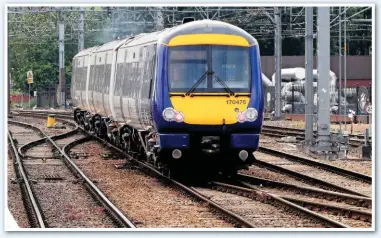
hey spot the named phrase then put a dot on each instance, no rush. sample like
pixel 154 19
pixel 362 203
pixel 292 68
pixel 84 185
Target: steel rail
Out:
pixel 348 212
pixel 277 200
pixel 76 170
pixel 333 169
pixel 249 181
pixel 69 116
pixel 309 179
pixel 22 150
pixel 37 213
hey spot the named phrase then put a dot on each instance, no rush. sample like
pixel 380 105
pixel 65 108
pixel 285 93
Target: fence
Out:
pixel 47 97
pixel 19 98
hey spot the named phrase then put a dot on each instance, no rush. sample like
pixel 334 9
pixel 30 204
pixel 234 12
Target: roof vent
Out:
pixel 188 19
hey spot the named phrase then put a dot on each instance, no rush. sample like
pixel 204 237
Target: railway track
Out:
pixel 238 219
pixel 315 208
pixel 287 188
pixel 49 176
pixel 33 210
pixel 314 163
pixel 285 201
pixel 312 174
pixel 263 209
pixel 230 216
pixel 355 140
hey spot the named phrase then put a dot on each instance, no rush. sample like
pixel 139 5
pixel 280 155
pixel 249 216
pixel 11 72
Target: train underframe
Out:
pixel 205 155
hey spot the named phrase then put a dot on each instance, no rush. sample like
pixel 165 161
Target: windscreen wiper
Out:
pixel 227 89
pixel 197 83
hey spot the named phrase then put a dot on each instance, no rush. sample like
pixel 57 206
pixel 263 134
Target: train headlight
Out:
pixel 251 114
pixel 170 114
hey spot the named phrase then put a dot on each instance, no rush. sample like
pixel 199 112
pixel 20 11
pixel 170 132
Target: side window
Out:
pixel 140 53
pixel 144 57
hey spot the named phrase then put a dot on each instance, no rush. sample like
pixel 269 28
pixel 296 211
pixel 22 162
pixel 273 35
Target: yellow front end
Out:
pixel 192 55
pixel 210 110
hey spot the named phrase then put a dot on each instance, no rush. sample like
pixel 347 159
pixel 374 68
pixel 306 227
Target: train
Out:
pixel 187 95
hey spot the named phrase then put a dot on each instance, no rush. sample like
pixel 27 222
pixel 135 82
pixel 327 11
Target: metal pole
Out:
pixel 345 68
pixel 9 90
pixel 159 19
pixel 81 40
pixel 62 87
pixel 22 96
pixel 323 79
pixel 278 63
pixel 173 17
pixel 309 85
pixel 29 94
pixel 9 82
pixel 340 87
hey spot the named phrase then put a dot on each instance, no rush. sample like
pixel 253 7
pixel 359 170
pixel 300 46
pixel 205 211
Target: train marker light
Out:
pixel 179 117
pixel 241 117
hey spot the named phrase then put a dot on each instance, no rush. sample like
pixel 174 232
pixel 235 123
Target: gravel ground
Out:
pixel 62 142
pixel 261 215
pixel 40 151
pixel 15 202
pixel 321 174
pixel 68 205
pixel 144 199
pixel 364 167
pixel 23 135
pixel 348 221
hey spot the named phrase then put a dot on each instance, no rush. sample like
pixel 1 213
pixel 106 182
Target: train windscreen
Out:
pixel 209 68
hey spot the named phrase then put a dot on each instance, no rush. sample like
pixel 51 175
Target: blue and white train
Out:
pixel 188 94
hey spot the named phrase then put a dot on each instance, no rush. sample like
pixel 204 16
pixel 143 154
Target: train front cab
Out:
pixel 209 99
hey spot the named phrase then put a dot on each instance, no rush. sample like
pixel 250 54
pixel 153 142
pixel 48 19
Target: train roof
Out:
pixel 164 36
pixel 86 51
pixel 109 45
pixel 205 26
